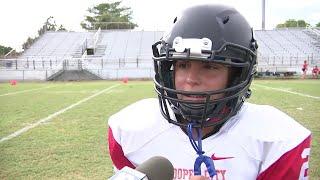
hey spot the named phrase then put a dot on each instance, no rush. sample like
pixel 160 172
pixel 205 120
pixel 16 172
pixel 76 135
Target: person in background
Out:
pixel 315 72
pixel 200 121
pixel 304 69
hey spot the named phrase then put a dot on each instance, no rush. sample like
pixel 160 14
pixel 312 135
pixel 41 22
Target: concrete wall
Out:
pixel 27 75
pixel 147 73
pixel 42 75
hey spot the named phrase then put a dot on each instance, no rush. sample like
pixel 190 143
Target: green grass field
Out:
pixel 72 144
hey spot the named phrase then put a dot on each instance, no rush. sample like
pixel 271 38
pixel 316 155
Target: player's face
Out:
pixel 200 76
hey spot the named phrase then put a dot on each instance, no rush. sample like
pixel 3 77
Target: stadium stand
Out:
pixel 113 54
pixel 56 44
pixel 283 51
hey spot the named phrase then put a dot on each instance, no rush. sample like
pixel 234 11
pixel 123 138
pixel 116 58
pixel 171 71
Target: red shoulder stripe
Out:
pixel 291 165
pixel 116 153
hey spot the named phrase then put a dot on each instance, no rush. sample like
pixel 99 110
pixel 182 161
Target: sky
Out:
pixel 20 19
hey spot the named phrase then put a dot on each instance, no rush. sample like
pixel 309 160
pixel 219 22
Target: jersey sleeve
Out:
pixel 131 128
pixel 116 153
pixel 276 140
pixel 291 165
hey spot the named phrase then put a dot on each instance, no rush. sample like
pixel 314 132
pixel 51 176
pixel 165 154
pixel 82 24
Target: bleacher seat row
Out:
pixel 286 48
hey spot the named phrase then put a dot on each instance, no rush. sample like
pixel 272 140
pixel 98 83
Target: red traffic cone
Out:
pixel 13 82
pixel 125 80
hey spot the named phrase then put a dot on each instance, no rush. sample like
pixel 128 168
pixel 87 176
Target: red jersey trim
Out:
pixel 116 153
pixel 291 165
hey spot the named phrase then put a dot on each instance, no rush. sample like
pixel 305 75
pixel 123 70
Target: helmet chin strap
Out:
pixel 201 157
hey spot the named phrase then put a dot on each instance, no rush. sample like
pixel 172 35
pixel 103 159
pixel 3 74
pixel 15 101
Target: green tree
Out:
pixel 4 50
pixel 302 23
pixel 293 23
pixel 318 25
pixel 281 26
pixel 50 24
pixel 108 16
pixel 28 43
pixel 61 28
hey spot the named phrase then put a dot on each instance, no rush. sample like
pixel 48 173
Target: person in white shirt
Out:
pixel 200 121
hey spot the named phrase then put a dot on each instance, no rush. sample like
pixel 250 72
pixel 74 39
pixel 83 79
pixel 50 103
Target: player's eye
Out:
pixel 213 66
pixel 181 64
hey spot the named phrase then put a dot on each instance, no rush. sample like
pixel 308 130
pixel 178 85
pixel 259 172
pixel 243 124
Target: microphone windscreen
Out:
pixel 157 168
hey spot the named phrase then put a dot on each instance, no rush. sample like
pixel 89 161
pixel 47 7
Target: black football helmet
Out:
pixel 211 33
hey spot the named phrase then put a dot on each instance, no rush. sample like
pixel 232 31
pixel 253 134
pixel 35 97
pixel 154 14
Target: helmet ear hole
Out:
pixel 225 20
pixel 175 19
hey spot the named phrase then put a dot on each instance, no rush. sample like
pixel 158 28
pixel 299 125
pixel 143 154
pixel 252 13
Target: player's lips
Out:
pixel 193 97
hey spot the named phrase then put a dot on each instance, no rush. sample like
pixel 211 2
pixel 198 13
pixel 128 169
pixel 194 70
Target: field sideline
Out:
pixel 56 130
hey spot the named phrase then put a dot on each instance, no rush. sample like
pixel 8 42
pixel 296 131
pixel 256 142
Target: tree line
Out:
pixel 292 23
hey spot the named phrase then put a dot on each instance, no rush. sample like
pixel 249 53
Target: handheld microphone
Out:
pixel 155 168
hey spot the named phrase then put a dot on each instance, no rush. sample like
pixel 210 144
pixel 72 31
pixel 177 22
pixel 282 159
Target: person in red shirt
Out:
pixel 304 69
pixel 315 72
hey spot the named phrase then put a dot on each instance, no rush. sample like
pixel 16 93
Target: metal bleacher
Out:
pixel 56 44
pixel 119 53
pixel 124 50
pixel 129 48
pixel 284 50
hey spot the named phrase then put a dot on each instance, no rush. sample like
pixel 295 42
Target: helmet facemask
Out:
pixel 209 112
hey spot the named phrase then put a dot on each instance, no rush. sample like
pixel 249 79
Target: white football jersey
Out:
pixel 260 142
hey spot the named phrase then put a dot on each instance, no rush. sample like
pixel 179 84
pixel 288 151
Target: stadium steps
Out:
pixel 77 53
pixel 73 75
pixel 100 50
pixel 53 76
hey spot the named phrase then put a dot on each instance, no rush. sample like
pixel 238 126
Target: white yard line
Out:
pixel 18 92
pixel 292 92
pixel 47 119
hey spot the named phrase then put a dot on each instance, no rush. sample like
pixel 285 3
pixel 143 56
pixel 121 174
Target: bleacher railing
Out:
pixel 138 62
pixel 73 63
pixel 84 46
pixel 96 38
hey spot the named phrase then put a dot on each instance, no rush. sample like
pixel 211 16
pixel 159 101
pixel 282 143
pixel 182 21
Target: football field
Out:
pixel 57 130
